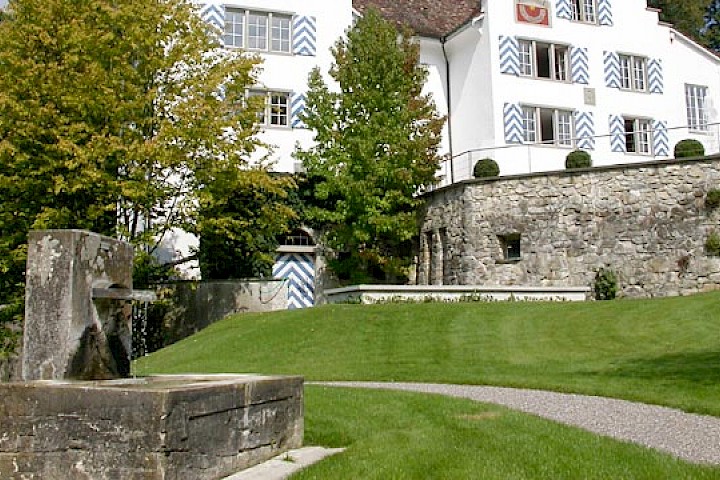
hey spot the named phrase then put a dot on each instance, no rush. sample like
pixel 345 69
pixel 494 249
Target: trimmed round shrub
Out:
pixel 487 167
pixel 712 200
pixel 689 148
pixel 578 159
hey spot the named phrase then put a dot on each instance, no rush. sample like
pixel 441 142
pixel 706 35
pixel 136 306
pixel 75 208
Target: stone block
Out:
pixel 68 333
pixel 165 427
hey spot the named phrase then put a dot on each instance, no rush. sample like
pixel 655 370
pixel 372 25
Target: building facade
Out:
pixel 524 82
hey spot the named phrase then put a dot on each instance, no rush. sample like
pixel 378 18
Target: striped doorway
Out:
pixel 299 271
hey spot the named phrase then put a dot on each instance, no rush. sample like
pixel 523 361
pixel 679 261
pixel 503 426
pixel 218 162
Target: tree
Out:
pixel 239 233
pixel 711 34
pixel 125 127
pixel 688 16
pixel 377 141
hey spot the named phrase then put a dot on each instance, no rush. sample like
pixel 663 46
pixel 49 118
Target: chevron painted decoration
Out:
pixel 605 16
pixel 661 142
pixel 513 123
pixel 579 65
pixel 509 55
pixel 213 12
pixel 656 81
pixel 563 10
pixel 297 107
pixel 299 271
pixel 617 134
pixel 305 36
pixel 585 130
pixel 612 70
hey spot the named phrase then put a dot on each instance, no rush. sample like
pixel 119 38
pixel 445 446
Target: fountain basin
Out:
pixel 202 427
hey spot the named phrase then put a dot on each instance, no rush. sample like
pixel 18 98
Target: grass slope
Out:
pixel 662 351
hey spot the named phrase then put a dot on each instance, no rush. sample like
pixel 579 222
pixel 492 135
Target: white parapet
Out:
pixel 369 294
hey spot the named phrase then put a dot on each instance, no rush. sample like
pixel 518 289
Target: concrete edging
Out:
pixel 367 294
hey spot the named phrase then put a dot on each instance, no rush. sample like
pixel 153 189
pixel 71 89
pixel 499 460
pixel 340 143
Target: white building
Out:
pixel 524 82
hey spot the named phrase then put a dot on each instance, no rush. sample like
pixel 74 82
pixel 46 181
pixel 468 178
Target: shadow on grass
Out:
pixel 698 367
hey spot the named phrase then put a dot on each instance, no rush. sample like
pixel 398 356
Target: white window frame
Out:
pixel 638 135
pixel 556 64
pixel 696 104
pixel 234 31
pixel 560 121
pixel 259 31
pixel 633 72
pixel 584 11
pixel 276 107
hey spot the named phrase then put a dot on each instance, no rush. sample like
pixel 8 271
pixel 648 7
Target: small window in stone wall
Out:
pixel 510 245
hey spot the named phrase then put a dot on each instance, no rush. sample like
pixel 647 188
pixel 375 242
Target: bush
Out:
pixel 487 167
pixel 605 284
pixel 712 199
pixel 712 244
pixel 578 159
pixel 689 148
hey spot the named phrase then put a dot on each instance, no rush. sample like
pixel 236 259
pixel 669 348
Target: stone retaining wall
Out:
pixel 10 369
pixel 647 222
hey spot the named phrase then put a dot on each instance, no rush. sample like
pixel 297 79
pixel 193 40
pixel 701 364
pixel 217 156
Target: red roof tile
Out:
pixel 430 18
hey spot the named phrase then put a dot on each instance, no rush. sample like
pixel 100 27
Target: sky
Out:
pixel 3 3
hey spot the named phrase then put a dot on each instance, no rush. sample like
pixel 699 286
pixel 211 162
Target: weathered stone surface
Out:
pixel 647 222
pixel 68 333
pixel 166 427
pixel 10 369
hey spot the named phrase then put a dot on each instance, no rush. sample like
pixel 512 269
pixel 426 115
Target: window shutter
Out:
pixel 605 16
pixel 509 55
pixel 579 69
pixel 563 10
pixel 585 130
pixel 213 12
pixel 661 142
pixel 513 123
pixel 656 81
pixel 305 36
pixel 617 134
pixel 612 70
pixel 297 108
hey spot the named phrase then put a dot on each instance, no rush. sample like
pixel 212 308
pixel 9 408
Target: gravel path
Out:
pixel 694 438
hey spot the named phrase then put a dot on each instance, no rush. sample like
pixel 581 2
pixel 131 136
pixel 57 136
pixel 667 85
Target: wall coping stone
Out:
pixel 575 172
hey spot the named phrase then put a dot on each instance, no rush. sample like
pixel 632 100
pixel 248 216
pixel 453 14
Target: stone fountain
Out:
pixel 77 414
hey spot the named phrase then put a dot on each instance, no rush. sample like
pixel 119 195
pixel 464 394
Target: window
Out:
pixel 258 30
pixel 544 60
pixel 695 99
pixel 583 11
pixel 633 73
pixel 548 126
pixel 510 245
pixel 234 29
pixel 276 109
pixel 638 136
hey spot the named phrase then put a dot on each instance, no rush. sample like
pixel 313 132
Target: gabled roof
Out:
pixel 428 18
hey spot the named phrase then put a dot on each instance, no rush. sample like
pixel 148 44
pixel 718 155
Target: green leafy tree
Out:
pixel 376 147
pixel 688 16
pixel 711 34
pixel 239 231
pixel 121 126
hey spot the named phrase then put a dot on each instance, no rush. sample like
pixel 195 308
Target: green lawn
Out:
pixel 663 351
pixel 392 435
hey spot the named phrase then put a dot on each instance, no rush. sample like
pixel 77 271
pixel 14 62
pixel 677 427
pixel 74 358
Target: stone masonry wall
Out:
pixel 647 222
